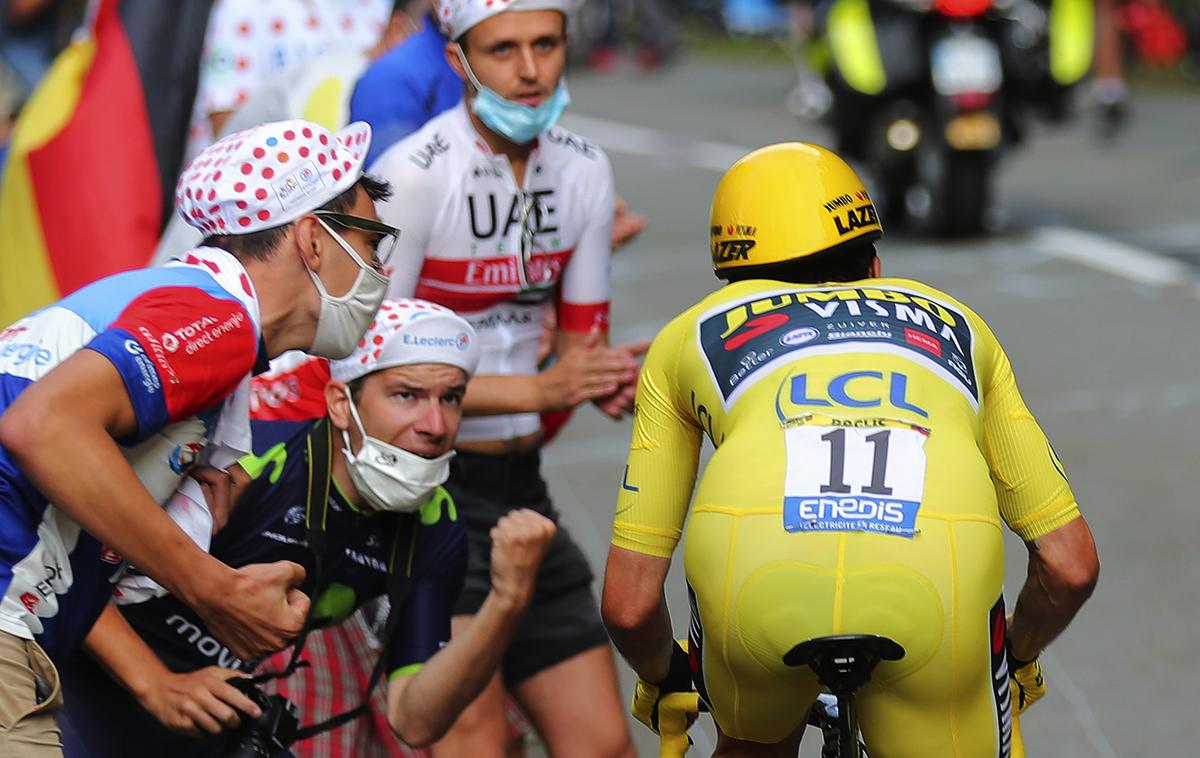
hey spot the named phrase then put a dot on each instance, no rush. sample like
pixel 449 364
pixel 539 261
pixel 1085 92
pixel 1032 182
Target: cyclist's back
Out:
pixel 870 444
pixel 857 436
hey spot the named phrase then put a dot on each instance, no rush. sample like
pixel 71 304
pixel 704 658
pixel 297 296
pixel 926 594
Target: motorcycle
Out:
pixel 930 93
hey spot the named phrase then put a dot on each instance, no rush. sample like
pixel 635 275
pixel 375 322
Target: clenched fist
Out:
pixel 520 540
pixel 261 612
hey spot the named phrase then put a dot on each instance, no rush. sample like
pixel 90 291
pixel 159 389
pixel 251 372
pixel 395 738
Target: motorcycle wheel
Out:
pixel 959 186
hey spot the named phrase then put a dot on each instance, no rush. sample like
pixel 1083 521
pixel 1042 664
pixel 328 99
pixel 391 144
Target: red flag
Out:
pixel 83 190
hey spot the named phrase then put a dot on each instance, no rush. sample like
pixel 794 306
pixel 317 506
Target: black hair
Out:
pixel 261 245
pixel 356 386
pixel 845 262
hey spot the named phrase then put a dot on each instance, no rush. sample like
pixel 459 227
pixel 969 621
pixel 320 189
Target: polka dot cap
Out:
pixel 410 331
pixel 269 175
pixel 457 16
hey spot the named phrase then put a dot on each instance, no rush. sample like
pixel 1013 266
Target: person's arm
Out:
pixel 635 611
pixel 651 507
pixel 424 705
pixel 626 224
pixel 73 414
pixel 585 369
pixel 1036 502
pixel 1063 569
pixel 192 703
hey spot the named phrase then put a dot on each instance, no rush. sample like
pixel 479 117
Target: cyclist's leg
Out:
pixel 750 605
pixel 949 695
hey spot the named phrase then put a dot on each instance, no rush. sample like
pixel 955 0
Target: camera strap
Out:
pixel 320 474
pixel 399 575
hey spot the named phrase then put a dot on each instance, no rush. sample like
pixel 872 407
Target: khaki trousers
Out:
pixel 30 696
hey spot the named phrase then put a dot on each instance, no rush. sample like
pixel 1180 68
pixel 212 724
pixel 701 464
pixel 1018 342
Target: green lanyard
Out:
pixel 320 473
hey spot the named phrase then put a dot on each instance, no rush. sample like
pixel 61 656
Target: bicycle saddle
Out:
pixel 845 662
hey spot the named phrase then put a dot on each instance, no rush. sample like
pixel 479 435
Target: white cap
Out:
pixel 270 175
pixel 457 16
pixel 407 332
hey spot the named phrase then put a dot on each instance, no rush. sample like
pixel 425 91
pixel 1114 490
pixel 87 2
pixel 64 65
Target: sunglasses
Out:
pixel 532 211
pixel 383 236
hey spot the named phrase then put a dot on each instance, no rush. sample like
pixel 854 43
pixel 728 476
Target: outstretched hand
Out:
pixel 587 371
pixel 620 404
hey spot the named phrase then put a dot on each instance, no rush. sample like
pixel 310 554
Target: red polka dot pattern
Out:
pixel 396 316
pixel 270 163
pixel 457 16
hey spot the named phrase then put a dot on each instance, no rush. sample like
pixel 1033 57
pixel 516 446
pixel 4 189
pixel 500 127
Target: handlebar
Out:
pixel 676 711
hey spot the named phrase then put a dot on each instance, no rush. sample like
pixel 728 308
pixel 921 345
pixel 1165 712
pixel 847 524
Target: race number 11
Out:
pixel 854 479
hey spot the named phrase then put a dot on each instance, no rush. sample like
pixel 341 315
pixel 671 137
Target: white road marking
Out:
pixel 1128 402
pixel 1074 245
pixel 1110 256
pixel 640 140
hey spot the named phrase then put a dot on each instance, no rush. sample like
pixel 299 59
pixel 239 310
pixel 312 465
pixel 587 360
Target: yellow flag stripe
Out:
pixel 26 278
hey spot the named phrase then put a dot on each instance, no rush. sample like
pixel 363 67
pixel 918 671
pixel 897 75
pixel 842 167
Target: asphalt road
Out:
pixel 1088 283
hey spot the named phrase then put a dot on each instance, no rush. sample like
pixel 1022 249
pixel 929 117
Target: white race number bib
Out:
pixel 854 479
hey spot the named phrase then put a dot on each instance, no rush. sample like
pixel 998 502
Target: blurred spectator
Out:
pixel 32 32
pixel 249 40
pixel 406 87
pixel 755 16
pixel 1109 91
pixel 652 27
pixel 1154 32
pixel 317 89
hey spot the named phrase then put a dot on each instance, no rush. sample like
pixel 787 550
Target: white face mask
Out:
pixel 343 320
pixel 391 478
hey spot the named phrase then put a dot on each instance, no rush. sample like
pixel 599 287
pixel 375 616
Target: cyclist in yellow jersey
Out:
pixel 870 446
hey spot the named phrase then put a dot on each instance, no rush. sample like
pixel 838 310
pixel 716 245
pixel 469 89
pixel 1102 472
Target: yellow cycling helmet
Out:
pixel 784 202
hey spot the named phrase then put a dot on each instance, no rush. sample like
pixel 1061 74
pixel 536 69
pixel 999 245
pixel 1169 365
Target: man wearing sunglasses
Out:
pixel 505 217
pixel 109 397
pixel 394 410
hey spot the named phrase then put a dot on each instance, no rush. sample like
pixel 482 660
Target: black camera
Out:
pixel 269 734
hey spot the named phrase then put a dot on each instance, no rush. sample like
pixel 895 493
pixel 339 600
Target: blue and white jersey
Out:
pixel 184 339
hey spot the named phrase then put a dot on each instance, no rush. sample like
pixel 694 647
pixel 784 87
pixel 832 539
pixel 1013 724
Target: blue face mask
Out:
pixel 515 121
